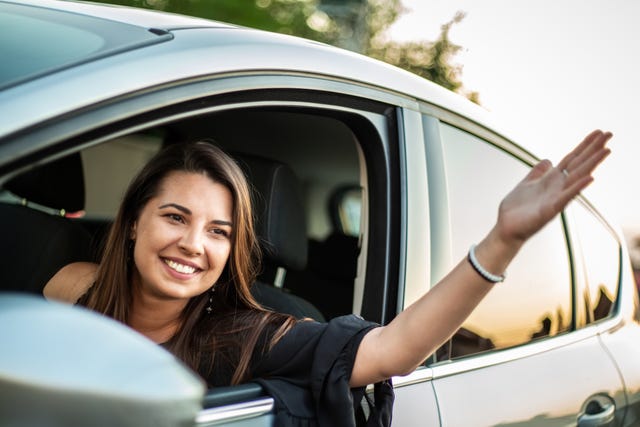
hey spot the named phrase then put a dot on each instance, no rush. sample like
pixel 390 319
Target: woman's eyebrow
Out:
pixel 188 212
pixel 175 205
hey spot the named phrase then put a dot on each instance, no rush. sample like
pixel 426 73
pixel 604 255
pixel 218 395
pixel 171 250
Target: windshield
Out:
pixel 35 41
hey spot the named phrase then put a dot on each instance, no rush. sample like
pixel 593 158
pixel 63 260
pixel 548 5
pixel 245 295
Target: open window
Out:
pixel 329 145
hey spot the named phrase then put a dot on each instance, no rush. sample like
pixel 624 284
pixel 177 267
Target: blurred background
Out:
pixel 549 71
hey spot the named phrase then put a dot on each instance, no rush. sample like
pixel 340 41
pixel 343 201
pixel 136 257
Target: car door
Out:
pixel 521 357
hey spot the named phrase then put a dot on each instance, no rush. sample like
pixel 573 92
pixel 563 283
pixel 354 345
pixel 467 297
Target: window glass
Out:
pixel 535 299
pixel 601 262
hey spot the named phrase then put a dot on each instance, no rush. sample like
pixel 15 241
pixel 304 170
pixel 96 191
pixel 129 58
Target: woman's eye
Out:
pixel 219 232
pixel 174 217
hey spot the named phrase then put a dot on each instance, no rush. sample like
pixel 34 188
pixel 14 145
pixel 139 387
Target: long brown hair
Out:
pixel 238 321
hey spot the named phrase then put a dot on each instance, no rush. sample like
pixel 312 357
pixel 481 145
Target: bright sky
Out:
pixel 551 71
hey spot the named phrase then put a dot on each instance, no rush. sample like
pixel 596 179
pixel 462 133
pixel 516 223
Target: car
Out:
pixel 388 180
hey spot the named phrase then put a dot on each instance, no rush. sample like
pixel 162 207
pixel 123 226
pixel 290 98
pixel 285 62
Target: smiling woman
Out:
pixel 171 241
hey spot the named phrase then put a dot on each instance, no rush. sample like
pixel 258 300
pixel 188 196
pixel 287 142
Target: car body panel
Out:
pixel 415 402
pixel 550 388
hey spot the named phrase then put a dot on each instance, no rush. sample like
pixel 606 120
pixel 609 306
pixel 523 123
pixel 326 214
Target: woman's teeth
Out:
pixel 180 268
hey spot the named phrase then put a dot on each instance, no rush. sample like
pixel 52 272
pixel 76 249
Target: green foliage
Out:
pixel 364 30
pixel 431 60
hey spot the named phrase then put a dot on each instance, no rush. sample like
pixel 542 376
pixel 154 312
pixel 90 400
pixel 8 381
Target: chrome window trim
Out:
pixel 420 375
pixel 497 357
pixel 234 412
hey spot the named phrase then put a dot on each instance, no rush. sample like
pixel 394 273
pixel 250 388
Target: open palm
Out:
pixel 546 190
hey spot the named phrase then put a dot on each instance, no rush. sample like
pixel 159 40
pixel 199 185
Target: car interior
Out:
pixel 304 167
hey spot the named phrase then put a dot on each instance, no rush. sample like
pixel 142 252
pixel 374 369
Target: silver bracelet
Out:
pixel 493 278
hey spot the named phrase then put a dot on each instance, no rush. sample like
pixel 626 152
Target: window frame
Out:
pixel 344 100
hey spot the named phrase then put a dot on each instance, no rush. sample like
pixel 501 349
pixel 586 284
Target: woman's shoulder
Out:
pixel 71 282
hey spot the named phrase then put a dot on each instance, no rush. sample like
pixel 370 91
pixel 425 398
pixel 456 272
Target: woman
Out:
pixel 182 254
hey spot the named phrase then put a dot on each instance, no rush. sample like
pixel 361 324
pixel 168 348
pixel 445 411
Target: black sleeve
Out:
pixel 308 371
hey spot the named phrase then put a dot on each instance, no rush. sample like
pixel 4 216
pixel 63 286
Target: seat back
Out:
pixel 332 264
pixel 36 244
pixel 281 228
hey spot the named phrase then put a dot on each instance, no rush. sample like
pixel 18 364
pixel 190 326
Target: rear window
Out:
pixel 36 41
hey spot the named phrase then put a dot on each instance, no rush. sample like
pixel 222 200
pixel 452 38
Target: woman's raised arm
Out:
pixel 399 347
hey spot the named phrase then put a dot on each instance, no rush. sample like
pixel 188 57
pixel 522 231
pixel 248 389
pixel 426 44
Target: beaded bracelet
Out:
pixel 493 278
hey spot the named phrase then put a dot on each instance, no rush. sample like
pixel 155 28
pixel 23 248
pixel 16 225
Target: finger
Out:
pixel 576 182
pixel 596 146
pixel 585 168
pixel 589 144
pixel 571 192
pixel 585 142
pixel 538 170
pixel 589 165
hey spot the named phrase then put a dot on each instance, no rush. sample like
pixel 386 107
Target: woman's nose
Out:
pixel 191 242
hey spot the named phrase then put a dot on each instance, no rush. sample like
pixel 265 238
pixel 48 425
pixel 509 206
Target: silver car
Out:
pixel 391 178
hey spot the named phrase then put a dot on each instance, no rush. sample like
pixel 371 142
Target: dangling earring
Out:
pixel 209 307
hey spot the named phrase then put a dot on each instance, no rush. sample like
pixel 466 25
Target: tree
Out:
pixel 359 25
pixel 431 60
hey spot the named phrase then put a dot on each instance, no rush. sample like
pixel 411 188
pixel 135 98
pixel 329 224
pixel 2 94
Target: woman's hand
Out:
pixel 546 190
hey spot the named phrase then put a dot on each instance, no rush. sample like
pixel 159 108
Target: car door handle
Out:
pixel 599 411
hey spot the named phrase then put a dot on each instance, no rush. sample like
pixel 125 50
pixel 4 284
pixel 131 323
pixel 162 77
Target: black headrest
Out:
pixel 281 222
pixel 58 184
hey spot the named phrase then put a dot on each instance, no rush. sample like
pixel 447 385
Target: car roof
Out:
pixel 170 48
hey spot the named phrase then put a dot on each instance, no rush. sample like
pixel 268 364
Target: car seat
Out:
pixel 36 244
pixel 281 228
pixel 328 279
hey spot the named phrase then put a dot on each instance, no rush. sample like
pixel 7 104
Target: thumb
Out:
pixel 538 170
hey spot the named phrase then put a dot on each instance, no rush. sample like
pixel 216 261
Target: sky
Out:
pixel 551 71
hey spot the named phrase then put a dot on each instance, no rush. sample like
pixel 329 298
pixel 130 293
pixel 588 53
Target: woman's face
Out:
pixel 182 237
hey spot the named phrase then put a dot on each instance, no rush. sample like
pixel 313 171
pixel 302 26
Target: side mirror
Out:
pixel 67 366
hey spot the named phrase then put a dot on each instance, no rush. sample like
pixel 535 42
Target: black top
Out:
pixel 307 373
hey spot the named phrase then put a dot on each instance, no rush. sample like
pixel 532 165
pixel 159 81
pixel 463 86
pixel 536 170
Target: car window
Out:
pixel 535 299
pixel 600 252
